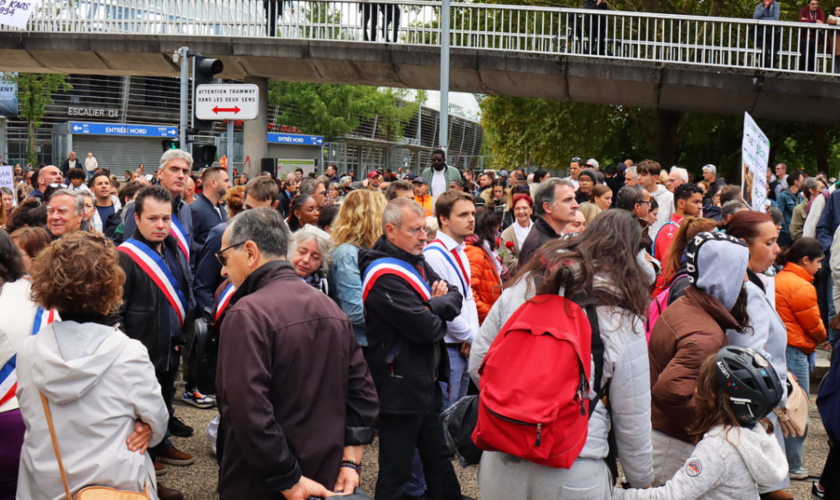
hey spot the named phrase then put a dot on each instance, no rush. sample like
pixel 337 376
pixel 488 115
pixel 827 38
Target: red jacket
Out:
pixel 806 16
pixel 665 236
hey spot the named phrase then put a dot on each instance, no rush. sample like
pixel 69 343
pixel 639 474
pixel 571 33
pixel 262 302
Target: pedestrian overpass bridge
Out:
pixel 774 70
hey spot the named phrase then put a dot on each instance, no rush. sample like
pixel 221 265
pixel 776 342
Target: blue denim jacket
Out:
pixel 348 287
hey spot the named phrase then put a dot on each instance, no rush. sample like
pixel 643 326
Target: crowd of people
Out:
pixel 317 312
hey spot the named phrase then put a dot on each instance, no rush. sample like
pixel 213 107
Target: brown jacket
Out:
pixel 689 331
pixel 293 387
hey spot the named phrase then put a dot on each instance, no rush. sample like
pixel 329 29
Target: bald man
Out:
pixel 44 177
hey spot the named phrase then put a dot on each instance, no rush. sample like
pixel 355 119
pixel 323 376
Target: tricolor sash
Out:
pixel 152 263
pixel 176 230
pixel 224 300
pixel 438 246
pixel 396 267
pixel 8 374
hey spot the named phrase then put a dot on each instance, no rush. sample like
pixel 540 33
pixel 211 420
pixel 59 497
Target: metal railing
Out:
pixel 617 35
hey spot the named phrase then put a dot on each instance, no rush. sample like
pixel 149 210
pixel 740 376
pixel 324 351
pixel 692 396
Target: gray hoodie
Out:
pixel 98 382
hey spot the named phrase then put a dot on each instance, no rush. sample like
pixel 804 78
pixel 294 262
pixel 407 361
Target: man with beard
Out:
pixel 207 212
pixel 440 174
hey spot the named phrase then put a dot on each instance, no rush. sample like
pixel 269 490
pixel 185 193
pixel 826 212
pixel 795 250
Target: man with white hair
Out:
pixel 174 169
pixel 676 177
pixel 631 177
pixel 64 213
pixel 710 176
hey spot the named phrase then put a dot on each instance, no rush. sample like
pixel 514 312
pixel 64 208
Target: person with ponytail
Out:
pixel 302 211
pixel 759 232
pixel 796 303
pixel 674 266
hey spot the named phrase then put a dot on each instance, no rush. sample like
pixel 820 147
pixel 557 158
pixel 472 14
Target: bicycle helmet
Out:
pixel 751 383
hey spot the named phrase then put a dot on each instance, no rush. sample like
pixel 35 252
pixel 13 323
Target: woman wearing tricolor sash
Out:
pixel 19 316
pixel 99 385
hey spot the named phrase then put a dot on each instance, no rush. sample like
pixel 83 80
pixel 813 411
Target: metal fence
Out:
pixel 617 35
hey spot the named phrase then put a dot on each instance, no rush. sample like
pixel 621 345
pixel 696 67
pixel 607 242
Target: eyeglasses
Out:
pixel 576 159
pixel 437 160
pixel 416 231
pixel 220 255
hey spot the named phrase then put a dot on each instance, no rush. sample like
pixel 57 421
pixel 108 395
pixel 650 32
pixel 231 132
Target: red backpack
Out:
pixel 534 396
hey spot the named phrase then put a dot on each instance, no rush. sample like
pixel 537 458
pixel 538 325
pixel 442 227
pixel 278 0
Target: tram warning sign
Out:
pixel 227 101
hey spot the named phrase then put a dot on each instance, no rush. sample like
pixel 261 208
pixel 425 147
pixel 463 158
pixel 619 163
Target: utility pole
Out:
pixel 444 74
pixel 185 82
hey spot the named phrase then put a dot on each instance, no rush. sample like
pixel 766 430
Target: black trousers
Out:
pixel 370 11
pixel 398 436
pixel 167 388
pixel 807 55
pixel 829 479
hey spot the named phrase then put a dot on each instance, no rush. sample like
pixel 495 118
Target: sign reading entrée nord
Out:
pixel 227 101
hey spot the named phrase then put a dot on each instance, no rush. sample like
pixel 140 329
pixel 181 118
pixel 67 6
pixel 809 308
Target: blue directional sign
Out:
pixel 86 128
pixel 299 139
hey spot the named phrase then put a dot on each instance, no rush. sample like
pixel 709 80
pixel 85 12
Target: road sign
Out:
pixel 86 128
pixel 299 139
pixel 239 101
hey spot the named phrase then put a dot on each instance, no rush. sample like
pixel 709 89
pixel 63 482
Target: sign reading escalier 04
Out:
pixel 227 101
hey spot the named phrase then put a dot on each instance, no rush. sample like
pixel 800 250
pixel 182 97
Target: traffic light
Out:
pixel 203 155
pixel 170 144
pixel 206 70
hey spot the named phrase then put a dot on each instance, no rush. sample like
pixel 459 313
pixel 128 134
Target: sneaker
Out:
pixel 816 493
pixel 165 493
pixel 174 456
pixel 178 428
pixel 800 473
pixel 197 399
pixel 160 469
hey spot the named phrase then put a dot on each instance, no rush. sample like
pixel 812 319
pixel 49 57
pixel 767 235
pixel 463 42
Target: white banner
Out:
pixel 16 12
pixel 755 153
pixel 7 179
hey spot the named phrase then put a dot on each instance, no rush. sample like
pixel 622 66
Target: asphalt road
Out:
pixel 198 481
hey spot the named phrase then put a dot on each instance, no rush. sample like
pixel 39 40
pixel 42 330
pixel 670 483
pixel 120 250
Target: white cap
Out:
pixel 592 162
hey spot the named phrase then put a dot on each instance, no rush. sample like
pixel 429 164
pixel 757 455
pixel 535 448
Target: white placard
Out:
pixel 226 101
pixel 7 179
pixel 755 153
pixel 16 12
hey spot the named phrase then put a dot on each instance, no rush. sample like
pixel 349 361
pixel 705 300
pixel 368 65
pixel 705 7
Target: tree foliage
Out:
pixel 334 110
pixel 34 96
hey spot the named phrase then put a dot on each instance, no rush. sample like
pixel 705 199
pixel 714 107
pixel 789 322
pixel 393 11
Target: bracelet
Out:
pixel 351 466
pixel 352 462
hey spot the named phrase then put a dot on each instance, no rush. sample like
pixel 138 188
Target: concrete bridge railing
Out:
pixel 713 42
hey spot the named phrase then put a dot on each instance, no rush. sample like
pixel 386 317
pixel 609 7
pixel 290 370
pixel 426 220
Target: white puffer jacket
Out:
pixel 625 364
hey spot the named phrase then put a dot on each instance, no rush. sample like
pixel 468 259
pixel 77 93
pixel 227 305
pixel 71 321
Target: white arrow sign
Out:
pixel 227 101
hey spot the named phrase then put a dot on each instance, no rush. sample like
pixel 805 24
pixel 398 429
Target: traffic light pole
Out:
pixel 185 97
pixel 230 149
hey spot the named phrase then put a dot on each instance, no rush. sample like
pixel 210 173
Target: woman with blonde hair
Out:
pixel 357 226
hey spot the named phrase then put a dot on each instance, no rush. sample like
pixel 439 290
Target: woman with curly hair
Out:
pixel 98 385
pixel 358 225
pixel 310 252
pixel 234 199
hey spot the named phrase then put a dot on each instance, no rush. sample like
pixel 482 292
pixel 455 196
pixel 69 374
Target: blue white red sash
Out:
pixel 150 262
pixel 395 267
pixel 176 230
pixel 438 246
pixel 224 300
pixel 8 374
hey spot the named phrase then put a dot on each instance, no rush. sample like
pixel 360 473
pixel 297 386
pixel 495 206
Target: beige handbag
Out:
pixel 797 405
pixel 91 492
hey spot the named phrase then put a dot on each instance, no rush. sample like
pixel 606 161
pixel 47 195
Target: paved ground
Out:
pixel 198 481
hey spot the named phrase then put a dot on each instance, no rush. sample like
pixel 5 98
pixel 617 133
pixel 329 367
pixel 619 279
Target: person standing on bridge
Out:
pixel 370 11
pixel 809 38
pixel 767 38
pixel 596 27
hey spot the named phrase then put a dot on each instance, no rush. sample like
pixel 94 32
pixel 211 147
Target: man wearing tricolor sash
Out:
pixel 157 302
pixel 407 307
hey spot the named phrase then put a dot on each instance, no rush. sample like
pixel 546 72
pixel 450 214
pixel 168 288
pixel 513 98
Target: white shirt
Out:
pixel 665 199
pixel 464 327
pixel 438 183
pixel 72 163
pixel 521 232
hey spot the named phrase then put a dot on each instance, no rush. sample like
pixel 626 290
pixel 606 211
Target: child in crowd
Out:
pixel 737 454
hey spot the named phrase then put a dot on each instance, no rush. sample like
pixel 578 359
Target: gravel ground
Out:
pixel 198 481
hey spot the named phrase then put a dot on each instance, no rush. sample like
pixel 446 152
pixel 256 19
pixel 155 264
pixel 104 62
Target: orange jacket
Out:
pixel 427 202
pixel 796 303
pixel 484 280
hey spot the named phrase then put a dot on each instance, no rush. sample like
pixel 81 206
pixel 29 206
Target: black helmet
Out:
pixel 751 383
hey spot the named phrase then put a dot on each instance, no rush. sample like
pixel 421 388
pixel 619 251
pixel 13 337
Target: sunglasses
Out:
pixel 220 255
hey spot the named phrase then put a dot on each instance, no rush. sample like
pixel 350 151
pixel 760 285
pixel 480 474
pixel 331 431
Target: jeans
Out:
pixel 797 363
pixel 459 377
pixel 399 435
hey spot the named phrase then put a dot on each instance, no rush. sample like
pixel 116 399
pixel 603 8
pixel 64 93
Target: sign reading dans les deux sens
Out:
pixel 90 112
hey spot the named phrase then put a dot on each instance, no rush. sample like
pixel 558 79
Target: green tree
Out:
pixel 34 96
pixel 334 110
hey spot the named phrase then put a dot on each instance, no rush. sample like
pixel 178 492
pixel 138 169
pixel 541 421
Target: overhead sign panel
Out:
pixel 86 128
pixel 227 101
pixel 299 139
